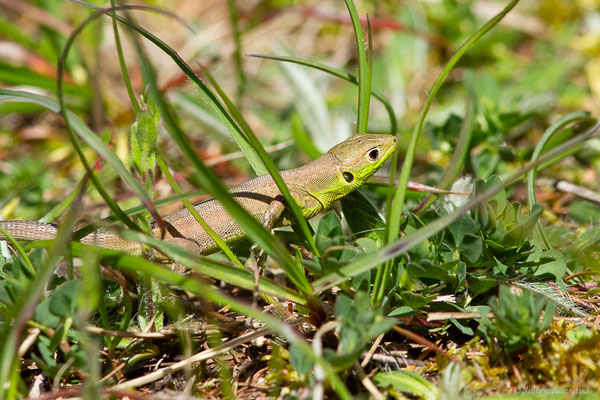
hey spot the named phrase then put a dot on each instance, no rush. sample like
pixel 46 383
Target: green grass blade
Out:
pixel 208 122
pixel 239 65
pixel 190 207
pixel 462 148
pixel 89 137
pixel 364 71
pixel 539 148
pixel 340 74
pixel 60 208
pixel 122 65
pixel 12 75
pixel 19 250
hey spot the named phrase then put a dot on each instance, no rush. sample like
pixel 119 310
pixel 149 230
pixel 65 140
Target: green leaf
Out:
pixel 471 247
pixel 407 382
pixel 463 327
pixel 64 300
pixel 44 316
pixel 362 217
pixel 525 225
pixel 461 227
pixel 553 263
pixel 299 360
pixel 329 225
pixel 415 300
pixel 427 269
pixel 401 311
pixel 144 135
pixel 481 285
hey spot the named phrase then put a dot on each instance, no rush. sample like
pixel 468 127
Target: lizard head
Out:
pixel 361 156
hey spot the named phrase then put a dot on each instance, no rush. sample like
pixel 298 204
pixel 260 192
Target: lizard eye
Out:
pixel 348 177
pixel 373 154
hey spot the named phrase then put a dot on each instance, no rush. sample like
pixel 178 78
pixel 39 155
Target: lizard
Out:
pixel 314 186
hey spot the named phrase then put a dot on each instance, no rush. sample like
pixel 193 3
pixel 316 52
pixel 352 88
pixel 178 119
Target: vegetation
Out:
pixel 112 115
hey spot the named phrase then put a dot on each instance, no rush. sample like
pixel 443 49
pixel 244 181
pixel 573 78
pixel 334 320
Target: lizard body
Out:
pixel 315 187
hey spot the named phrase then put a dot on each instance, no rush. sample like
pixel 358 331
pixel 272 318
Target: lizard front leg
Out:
pixel 258 257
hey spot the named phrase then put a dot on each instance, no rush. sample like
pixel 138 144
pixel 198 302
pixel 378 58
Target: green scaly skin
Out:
pixel 315 187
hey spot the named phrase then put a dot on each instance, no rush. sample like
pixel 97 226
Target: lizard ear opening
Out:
pixel 348 177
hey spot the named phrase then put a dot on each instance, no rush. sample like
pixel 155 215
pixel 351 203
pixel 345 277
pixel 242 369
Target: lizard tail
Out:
pixel 28 230
pixel 34 230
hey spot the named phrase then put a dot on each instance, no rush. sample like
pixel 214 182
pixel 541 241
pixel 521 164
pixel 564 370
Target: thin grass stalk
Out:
pixel 369 76
pixel 340 74
pixel 539 148
pixel 122 65
pixel 462 148
pixel 239 65
pixel 364 72
pixel 61 207
pixel 190 207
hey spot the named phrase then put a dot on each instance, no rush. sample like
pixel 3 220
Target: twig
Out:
pixel 443 316
pixel 317 347
pixel 422 341
pixel 580 191
pixel 137 335
pixel 203 355
pixel 367 383
pixel 371 351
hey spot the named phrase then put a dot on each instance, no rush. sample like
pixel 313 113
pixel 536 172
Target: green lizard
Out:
pixel 315 187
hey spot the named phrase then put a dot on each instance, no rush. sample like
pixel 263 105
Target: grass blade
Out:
pixel 364 71
pixel 91 139
pixel 190 207
pixel 462 147
pixel 340 74
pixel 239 66
pixel 552 129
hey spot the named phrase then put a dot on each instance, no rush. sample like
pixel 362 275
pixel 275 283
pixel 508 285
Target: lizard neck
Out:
pixel 322 179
